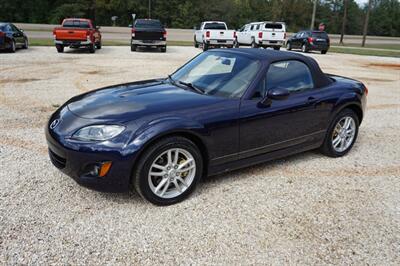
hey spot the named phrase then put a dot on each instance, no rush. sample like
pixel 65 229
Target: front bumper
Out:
pixel 148 42
pixel 75 163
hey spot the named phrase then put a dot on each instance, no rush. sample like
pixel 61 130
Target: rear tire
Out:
pixel 289 46
pixel 205 46
pixel 196 44
pixel 324 52
pixel 163 49
pixel 60 48
pixel 254 44
pixel 333 133
pixel 304 48
pixel 133 48
pixel 277 48
pixel 13 47
pixel 236 44
pixel 98 45
pixel 92 48
pixel 145 184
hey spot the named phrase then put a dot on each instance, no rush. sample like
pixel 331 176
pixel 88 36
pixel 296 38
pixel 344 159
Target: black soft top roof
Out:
pixel 272 56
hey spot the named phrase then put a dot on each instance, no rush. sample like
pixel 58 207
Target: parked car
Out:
pixel 214 34
pixel 12 38
pixel 225 109
pixel 148 33
pixel 262 34
pixel 309 41
pixel 76 33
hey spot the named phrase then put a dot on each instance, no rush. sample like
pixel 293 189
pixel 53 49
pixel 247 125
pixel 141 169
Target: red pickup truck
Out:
pixel 76 33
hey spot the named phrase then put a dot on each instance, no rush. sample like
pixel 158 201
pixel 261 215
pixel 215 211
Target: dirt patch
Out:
pixel 384 106
pixel 19 143
pixel 24 80
pixel 93 72
pixel 382 65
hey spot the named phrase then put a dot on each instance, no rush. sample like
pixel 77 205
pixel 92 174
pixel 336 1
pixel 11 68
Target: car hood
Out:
pixel 129 101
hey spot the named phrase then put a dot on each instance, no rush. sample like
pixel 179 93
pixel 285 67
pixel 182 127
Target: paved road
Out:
pixel 41 31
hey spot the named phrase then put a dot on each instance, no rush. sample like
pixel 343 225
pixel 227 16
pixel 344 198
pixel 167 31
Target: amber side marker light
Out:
pixel 366 90
pixel 105 167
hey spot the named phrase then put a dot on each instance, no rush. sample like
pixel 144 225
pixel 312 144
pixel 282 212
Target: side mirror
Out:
pixel 278 93
pixel 275 94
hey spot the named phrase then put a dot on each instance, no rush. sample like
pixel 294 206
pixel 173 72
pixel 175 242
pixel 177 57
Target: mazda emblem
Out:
pixel 54 123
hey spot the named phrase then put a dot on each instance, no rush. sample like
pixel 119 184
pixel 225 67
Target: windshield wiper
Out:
pixel 190 85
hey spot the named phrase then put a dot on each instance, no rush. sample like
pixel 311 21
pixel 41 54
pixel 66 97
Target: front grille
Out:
pixel 57 161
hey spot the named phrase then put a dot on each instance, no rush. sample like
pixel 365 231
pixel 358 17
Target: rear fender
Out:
pixel 349 100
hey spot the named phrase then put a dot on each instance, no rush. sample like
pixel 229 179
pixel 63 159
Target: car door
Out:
pixel 18 35
pixel 279 124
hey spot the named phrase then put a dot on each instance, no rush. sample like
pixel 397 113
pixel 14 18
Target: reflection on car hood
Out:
pixel 133 100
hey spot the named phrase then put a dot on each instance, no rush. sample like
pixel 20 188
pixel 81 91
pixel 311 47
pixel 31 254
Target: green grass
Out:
pixel 364 51
pixel 41 42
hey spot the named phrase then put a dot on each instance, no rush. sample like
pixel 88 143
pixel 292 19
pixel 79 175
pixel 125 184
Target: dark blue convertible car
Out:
pixel 223 110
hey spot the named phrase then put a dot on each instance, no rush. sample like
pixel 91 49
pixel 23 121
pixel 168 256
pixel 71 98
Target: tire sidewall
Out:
pixel 148 158
pixel 328 139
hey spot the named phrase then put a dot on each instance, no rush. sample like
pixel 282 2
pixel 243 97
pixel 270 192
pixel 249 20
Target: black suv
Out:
pixel 309 41
pixel 149 33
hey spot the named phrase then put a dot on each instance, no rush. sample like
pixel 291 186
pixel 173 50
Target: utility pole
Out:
pixel 343 22
pixel 365 31
pixel 149 8
pixel 313 15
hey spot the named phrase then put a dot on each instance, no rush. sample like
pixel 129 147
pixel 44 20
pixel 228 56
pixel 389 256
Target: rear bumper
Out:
pixel 72 43
pixel 149 42
pixel 318 47
pixel 271 43
pixel 220 42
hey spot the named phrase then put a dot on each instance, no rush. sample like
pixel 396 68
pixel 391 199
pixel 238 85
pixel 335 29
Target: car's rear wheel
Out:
pixel 164 49
pixel 341 134
pixel 133 48
pixel 92 48
pixel 98 45
pixel 205 46
pixel 13 47
pixel 196 44
pixel 60 48
pixel 277 48
pixel 236 44
pixel 168 171
pixel 324 51
pixel 289 46
pixel 304 48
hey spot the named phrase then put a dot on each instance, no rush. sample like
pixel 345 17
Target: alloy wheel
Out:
pixel 343 134
pixel 172 173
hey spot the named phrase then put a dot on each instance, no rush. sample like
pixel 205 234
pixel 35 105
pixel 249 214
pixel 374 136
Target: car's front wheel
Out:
pixel 342 134
pixel 168 171
pixel 13 47
pixel 26 44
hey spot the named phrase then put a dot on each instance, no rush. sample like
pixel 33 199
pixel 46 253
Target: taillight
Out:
pixel 207 34
pixel 260 34
pixel 284 35
pixel 366 90
pixel 310 39
pixel 2 34
pixel 133 32
pixel 234 34
pixel 165 34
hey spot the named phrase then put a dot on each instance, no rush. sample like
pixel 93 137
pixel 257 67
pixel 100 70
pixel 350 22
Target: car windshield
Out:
pixel 148 24
pixel 76 24
pixel 218 73
pixel 215 26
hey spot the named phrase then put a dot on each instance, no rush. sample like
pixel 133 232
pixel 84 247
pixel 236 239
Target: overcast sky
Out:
pixel 361 2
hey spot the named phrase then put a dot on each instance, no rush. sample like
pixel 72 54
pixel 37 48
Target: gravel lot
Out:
pixel 305 209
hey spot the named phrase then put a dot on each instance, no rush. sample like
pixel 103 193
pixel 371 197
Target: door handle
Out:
pixel 311 100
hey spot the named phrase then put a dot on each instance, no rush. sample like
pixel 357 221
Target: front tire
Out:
pixel 13 47
pixel 289 46
pixel 168 171
pixel 254 44
pixel 341 134
pixel 26 44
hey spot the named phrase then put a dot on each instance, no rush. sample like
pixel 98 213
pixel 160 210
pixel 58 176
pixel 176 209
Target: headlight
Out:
pixel 98 132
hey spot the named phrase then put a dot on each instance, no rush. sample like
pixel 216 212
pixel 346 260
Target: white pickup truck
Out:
pixel 214 34
pixel 262 34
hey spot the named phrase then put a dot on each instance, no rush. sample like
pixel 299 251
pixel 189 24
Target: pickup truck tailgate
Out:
pixel 151 35
pixel 71 34
pixel 273 35
pixel 221 34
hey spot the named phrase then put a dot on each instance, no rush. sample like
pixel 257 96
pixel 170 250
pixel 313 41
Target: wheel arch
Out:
pixel 355 107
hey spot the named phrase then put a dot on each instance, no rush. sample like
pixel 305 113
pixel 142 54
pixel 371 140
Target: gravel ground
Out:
pixel 305 209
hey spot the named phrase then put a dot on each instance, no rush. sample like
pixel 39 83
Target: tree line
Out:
pixel 384 16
